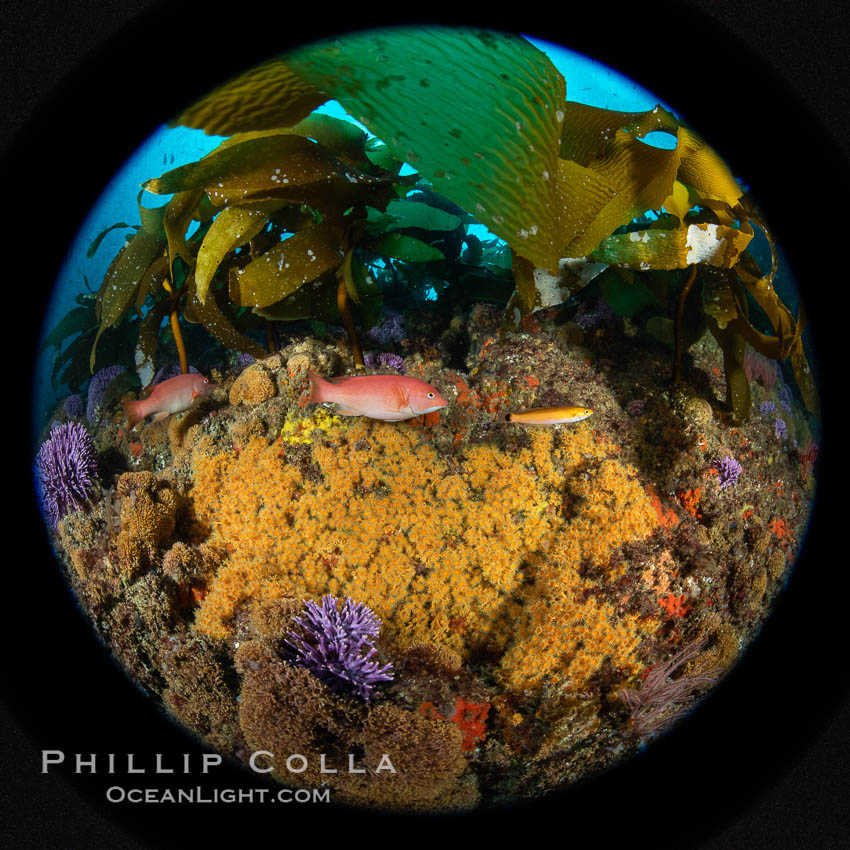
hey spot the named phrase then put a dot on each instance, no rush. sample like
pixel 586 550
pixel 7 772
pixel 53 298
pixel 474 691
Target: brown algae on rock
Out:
pixel 549 568
pixel 456 610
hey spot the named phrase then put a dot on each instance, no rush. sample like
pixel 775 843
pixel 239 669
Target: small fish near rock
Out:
pixel 171 396
pixel 392 398
pixel 550 415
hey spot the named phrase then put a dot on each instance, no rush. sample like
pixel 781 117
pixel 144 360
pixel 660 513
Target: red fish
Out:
pixel 388 397
pixel 170 396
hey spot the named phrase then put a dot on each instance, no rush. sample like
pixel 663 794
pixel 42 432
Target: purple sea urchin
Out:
pixel 65 467
pixel 337 647
pixel 374 360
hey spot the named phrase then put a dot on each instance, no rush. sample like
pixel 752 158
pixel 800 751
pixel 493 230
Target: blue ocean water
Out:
pixel 588 81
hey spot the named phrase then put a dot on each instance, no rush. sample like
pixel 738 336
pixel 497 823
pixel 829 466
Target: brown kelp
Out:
pixel 293 206
pixel 505 610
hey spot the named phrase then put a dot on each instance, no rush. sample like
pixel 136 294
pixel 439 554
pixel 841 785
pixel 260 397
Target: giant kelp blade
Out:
pixel 725 304
pixel 602 155
pixel 276 166
pixel 362 289
pixel 624 292
pixel 607 176
pixel 147 341
pixel 631 176
pixel 123 277
pixel 734 348
pixel 764 293
pixel 231 228
pixel 589 131
pixel 720 300
pixel 526 289
pixel 253 164
pixel 219 326
pixel 77 320
pixel 787 342
pixel 590 134
pixel 317 301
pixel 342 138
pixel 179 213
pixel 403 213
pixel 301 259
pixel 657 249
pixel 725 313
pixel 152 218
pixel 804 379
pixel 674 248
pixel 155 275
pixel 406 248
pixel 71 367
pixel 679 201
pixel 263 98
pixel 702 168
pixel 488 140
pixel 582 196
pixel 380 155
pixel 95 244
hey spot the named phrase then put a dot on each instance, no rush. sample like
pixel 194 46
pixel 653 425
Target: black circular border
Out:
pixel 63 693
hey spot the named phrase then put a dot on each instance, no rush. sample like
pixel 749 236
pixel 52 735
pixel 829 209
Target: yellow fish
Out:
pixel 550 415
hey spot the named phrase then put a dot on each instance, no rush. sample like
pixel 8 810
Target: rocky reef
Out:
pixel 549 598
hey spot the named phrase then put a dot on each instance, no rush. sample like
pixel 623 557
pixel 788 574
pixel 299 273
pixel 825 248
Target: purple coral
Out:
pixel 390 330
pixel 337 647
pixel 780 428
pixel 374 360
pixel 729 471
pixel 97 388
pixel 65 468
pixel 661 699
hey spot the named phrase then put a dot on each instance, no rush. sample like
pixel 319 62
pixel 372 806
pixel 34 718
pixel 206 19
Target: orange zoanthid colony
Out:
pixel 479 551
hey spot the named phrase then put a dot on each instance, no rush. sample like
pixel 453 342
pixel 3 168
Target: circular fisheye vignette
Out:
pixel 368 409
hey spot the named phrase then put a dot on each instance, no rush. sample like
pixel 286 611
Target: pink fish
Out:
pixel 388 397
pixel 170 396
